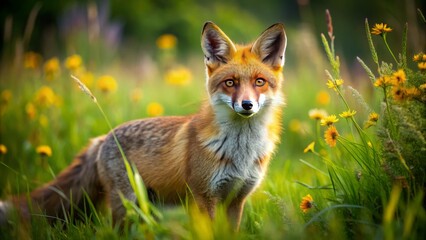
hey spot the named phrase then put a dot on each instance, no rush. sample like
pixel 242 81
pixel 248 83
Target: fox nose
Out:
pixel 247 105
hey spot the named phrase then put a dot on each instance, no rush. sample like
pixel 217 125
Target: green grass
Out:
pixel 354 194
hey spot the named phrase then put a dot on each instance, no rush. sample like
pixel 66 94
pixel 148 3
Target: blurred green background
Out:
pixel 132 26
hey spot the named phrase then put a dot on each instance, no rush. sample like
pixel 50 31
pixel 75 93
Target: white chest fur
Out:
pixel 239 148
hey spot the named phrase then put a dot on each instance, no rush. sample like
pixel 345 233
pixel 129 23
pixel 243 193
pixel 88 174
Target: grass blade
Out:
pixel 370 43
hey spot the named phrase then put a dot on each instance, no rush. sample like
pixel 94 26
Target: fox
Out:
pixel 219 154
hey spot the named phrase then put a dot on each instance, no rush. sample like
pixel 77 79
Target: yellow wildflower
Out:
pixel 44 151
pixel 399 77
pixel 422 87
pixel 374 117
pixel 329 120
pixel 330 84
pixel 412 92
pixel 383 81
pixel 73 62
pixel 45 97
pixel 155 109
pixel 347 114
pixel 32 60
pixel 370 144
pixel 331 135
pixel 421 65
pixel 380 29
pixel 317 114
pixel 166 41
pixel 107 84
pixel 310 148
pixel 399 93
pixel 30 110
pixel 307 203
pixel 178 76
pixel 52 68
pixel 417 57
pixel 334 84
pixel 3 149
pixel 323 98
pixel 339 82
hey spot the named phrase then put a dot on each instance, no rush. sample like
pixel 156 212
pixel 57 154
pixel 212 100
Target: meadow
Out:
pixel 350 164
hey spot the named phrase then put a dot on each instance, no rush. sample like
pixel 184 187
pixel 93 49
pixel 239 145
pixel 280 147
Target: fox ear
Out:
pixel 270 46
pixel 217 47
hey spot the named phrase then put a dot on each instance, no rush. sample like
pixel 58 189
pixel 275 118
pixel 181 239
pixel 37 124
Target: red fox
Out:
pixel 218 154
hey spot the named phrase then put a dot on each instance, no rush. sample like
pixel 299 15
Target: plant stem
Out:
pixel 387 45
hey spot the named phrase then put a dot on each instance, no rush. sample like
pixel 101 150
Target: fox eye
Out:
pixel 229 83
pixel 260 82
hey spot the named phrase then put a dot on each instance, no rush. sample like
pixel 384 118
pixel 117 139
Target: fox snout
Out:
pixel 247 107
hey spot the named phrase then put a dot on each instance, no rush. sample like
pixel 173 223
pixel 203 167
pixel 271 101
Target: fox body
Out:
pixel 218 154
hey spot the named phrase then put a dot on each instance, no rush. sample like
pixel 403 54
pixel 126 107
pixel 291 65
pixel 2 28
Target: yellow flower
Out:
pixel 331 135
pixel 422 87
pixel 323 98
pixel 347 114
pixel 373 117
pixel 421 65
pixel 73 62
pixel 107 84
pixel 334 84
pixel 317 114
pixel 327 121
pixel 3 149
pixel 383 81
pixel 45 97
pixel 307 203
pixel 155 109
pixel 52 68
pixel 412 92
pixel 417 57
pixel 372 120
pixel 166 41
pixel 399 93
pixel 44 151
pixel 178 76
pixel 380 29
pixel 32 60
pixel 399 77
pixel 31 110
pixel 310 147
pixel 370 144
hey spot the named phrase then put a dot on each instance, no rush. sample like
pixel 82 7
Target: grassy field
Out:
pixel 358 175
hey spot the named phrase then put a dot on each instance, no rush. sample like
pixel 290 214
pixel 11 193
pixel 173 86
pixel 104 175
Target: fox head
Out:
pixel 243 80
